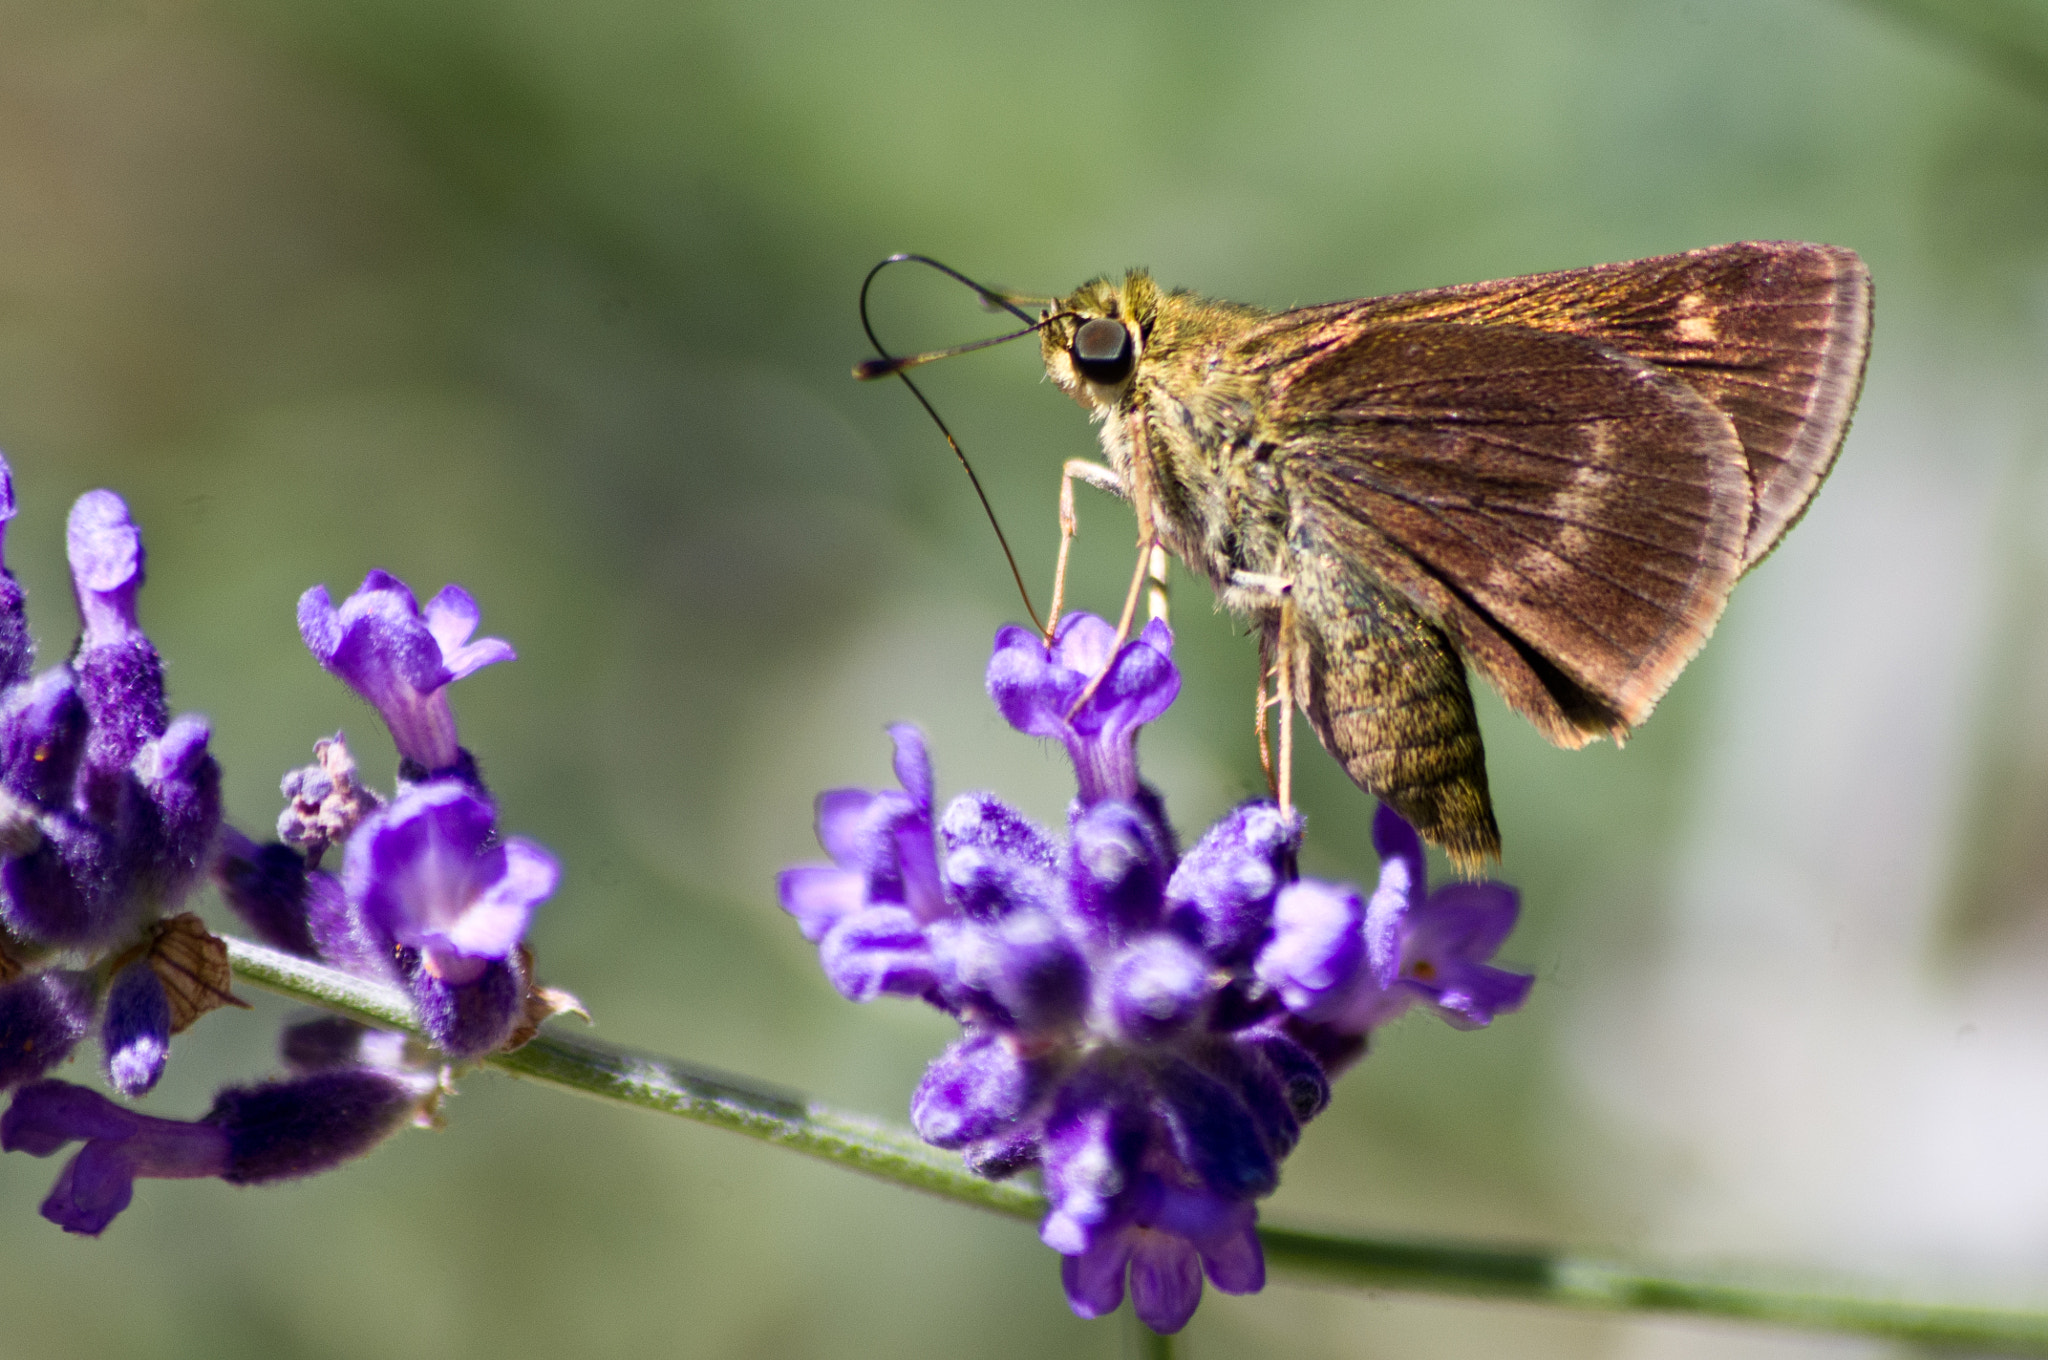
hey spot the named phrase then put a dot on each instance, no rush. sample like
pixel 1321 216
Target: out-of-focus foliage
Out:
pixel 557 300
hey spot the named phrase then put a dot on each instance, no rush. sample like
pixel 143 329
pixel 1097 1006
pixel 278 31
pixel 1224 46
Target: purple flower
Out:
pixel 120 676
pixel 428 873
pixel 1039 688
pixel 401 660
pixel 113 807
pixel 1111 1031
pixel 136 1033
pixel 1165 1239
pixel 1150 1031
pixel 108 810
pixel 43 1016
pixel 868 909
pixel 1349 966
pixel 260 1133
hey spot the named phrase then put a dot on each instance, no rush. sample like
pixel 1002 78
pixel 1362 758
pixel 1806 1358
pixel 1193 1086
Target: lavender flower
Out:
pixel 1039 688
pixel 275 1131
pixel 1345 967
pixel 108 810
pixel 1149 1030
pixel 430 896
pixel 428 873
pixel 401 660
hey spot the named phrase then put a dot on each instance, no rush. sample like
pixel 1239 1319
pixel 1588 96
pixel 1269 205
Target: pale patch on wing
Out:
pixel 1695 324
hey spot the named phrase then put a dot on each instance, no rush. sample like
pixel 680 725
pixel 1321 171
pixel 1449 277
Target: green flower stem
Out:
pixel 578 1063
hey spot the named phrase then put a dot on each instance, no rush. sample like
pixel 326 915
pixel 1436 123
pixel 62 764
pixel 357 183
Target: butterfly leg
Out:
pixel 1277 643
pixel 1101 477
pixel 1284 682
pixel 1149 551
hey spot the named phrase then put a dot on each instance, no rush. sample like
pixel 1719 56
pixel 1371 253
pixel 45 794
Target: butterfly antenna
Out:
pixel 888 364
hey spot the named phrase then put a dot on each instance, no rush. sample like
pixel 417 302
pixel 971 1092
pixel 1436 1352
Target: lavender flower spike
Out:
pixel 401 659
pixel 1037 687
pixel 1149 1031
pixel 868 909
pixel 428 873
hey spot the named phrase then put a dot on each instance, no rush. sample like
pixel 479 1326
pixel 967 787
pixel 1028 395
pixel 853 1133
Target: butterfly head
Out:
pixel 1096 337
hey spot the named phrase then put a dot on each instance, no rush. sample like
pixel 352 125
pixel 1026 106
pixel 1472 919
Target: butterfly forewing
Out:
pixel 1772 333
pixel 1534 492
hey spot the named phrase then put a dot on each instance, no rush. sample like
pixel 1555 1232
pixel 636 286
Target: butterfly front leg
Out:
pixel 1098 475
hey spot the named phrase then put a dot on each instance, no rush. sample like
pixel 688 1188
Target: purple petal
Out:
pixel 820 896
pixel 319 623
pixel 451 617
pixel 1463 921
pixel 1081 644
pixel 881 949
pixel 1141 685
pixel 913 765
pixel 91 1191
pixel 1475 993
pixel 1094 1279
pixel 1030 690
pixel 1236 1263
pixel 424 870
pixel 1166 1281
pixel 496 919
pixel 1317 948
pixel 852 826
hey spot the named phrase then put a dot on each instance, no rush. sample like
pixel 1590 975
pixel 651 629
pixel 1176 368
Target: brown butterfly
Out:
pixel 1557 479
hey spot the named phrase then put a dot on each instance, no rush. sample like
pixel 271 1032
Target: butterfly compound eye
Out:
pixel 1102 350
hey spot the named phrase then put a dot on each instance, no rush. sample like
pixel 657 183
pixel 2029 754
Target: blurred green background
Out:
pixel 557 300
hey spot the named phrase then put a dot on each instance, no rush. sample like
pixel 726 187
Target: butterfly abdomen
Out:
pixel 1387 695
